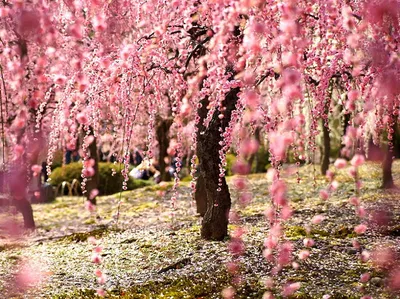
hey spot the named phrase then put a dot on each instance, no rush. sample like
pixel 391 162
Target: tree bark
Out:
pixel 25 208
pixel 93 182
pixel 162 133
pixel 201 196
pixel 326 148
pixel 387 177
pixel 215 220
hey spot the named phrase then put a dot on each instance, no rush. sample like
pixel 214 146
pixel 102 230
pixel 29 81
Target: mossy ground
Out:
pixel 154 253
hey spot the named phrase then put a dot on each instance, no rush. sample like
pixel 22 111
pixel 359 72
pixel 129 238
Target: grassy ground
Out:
pixel 151 253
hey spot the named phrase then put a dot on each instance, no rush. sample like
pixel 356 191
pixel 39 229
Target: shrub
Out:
pixel 108 184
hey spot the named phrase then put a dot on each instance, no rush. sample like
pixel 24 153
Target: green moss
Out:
pixel 83 236
pixel 344 232
pixel 297 232
pixel 108 183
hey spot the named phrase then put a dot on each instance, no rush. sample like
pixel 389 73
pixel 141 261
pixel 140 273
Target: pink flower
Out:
pixel 317 219
pixel 98 272
pixel 90 207
pixel 232 267
pixel 365 277
pixel 360 229
pixel 334 185
pixel 308 242
pixel 36 169
pixel 241 167
pixel 365 255
pixel 355 201
pixel 249 146
pixel 323 194
pixel 102 279
pixel 228 293
pixel 93 193
pixel 96 258
pixel 240 183
pixel 394 279
pixel 357 160
pixel 291 288
pixel 361 212
pixel 99 23
pixel 101 292
pixel 4 11
pixel 286 212
pixel 304 254
pixel 236 246
pixel 88 172
pixel 353 95
pixel 271 242
pixel 82 118
pixel 268 295
pixel 340 163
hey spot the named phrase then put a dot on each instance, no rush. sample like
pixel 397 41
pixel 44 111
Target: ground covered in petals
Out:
pixel 154 252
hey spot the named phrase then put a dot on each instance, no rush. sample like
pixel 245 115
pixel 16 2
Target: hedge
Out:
pixel 108 184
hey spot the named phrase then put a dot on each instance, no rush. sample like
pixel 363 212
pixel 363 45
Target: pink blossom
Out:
pixel 308 242
pixel 240 183
pixel 304 254
pixel 317 219
pixel 268 254
pixel 36 169
pixel 228 293
pixel 291 288
pixel 355 201
pixel 241 167
pixel 357 160
pixel 360 229
pixel 340 163
pixel 98 272
pixel 286 212
pixel 96 258
pixel 383 257
pixel 90 207
pixel 232 267
pixel 334 185
pixel 236 246
pixel 101 292
pixel 82 118
pixel 88 172
pixel 365 255
pixel 323 194
pixel 102 279
pixel 93 193
pixel 353 95
pixel 4 11
pixel 99 23
pixel 394 279
pixel 268 295
pixel 271 242
pixel 76 30
pixel 365 277
pixel 330 175
pixel 249 146
pixel 361 212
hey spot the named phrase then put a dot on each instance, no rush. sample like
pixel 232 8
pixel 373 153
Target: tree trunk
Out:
pixel 345 125
pixel 93 182
pixel 25 208
pixel 201 196
pixel 162 133
pixel 387 178
pixel 326 149
pixel 215 221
